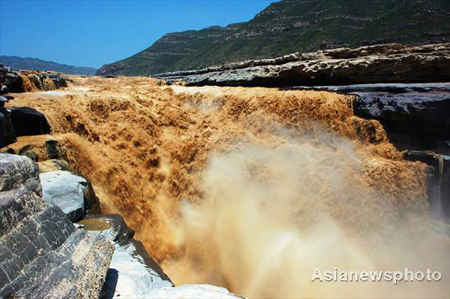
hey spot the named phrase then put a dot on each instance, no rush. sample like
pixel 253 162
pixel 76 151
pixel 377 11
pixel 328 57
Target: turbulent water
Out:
pixel 251 188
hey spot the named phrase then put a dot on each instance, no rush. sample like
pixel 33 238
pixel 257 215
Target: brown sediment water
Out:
pixel 251 188
pixel 95 224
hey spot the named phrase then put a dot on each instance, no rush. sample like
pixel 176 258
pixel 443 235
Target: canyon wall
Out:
pixel 384 63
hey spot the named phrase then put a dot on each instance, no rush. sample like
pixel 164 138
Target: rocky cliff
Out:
pixel 380 63
pixel 42 254
pixel 290 26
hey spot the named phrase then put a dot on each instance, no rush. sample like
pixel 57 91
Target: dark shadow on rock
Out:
pixel 438 180
pixel 109 287
pixel 7 132
pixel 28 121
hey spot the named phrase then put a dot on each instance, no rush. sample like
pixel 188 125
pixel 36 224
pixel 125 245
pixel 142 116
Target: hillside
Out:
pixel 28 63
pixel 294 26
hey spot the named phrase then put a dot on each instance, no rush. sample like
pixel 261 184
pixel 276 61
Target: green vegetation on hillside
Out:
pixel 295 26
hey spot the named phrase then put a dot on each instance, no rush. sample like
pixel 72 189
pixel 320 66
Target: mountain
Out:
pixel 294 26
pixel 28 63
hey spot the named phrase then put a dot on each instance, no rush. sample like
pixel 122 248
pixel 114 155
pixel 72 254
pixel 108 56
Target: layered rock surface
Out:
pixel 22 81
pixel 42 254
pixel 372 64
pixel 416 118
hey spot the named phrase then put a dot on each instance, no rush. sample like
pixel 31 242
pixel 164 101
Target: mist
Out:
pixel 252 188
pixel 271 216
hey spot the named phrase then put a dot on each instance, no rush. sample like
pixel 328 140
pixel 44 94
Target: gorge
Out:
pixel 248 188
pixel 227 162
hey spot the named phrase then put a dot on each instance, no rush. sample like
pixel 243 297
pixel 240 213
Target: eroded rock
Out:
pixel 133 273
pixel 22 81
pixel 412 119
pixel 372 64
pixel 7 132
pixel 438 180
pixel 73 194
pixel 42 254
pixel 28 121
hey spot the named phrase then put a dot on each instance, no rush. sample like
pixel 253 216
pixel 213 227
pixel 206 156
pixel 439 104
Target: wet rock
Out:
pixel 52 165
pixel 29 152
pixel 129 275
pixel 418 120
pixel 28 121
pixel 72 193
pixel 416 116
pixel 5 99
pixel 7 132
pixel 438 180
pixel 133 272
pixel 377 87
pixel 200 291
pixel 42 254
pixel 22 81
pixel 10 81
pixel 40 148
pixel 53 149
pixel 112 227
pixel 372 64
pixel 58 80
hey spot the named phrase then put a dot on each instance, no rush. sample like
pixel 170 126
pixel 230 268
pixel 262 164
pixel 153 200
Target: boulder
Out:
pixel 386 63
pixel 73 194
pixel 58 80
pixel 53 149
pixel 10 81
pixel 42 254
pixel 28 121
pixel 7 132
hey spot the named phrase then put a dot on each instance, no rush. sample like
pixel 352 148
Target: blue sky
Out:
pixel 92 33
